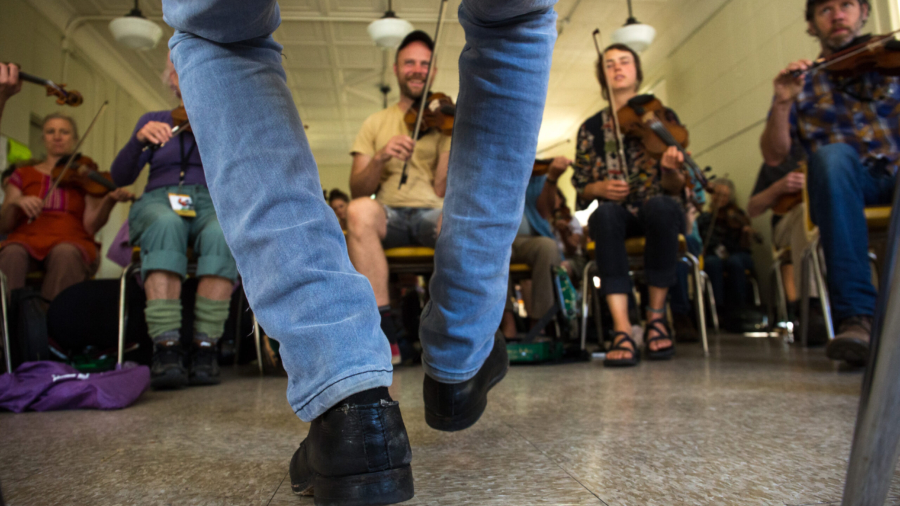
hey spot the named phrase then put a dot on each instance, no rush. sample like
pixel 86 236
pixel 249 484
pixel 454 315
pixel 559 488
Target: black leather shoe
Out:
pixel 355 455
pixel 167 368
pixel 204 364
pixel 453 407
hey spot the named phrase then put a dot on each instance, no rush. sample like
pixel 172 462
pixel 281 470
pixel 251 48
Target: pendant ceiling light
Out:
pixel 389 31
pixel 635 35
pixel 135 31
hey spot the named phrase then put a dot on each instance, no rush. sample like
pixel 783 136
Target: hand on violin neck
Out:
pixel 672 159
pixel 400 147
pixel 558 167
pixel 787 85
pixel 10 84
pixel 120 195
pixel 155 132
pixel 792 182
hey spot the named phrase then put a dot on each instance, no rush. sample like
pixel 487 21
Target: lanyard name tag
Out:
pixel 183 205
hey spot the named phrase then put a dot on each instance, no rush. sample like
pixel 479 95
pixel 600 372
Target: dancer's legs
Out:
pixel 504 70
pixel 263 180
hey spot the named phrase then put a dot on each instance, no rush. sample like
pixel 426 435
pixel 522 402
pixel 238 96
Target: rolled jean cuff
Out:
pixel 610 285
pixel 163 260
pixel 351 383
pixel 212 265
pixel 661 278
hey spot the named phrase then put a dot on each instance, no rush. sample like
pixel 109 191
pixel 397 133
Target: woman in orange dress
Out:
pixel 60 239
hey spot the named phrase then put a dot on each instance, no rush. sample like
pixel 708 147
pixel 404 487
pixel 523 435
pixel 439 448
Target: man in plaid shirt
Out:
pixel 850 129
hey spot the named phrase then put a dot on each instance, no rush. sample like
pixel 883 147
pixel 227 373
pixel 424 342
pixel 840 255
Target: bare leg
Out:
pixel 618 306
pixel 366 227
pixel 215 288
pixel 658 302
pixel 162 285
pixel 790 288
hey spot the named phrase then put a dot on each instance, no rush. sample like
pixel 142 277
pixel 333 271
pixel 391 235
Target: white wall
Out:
pixel 32 41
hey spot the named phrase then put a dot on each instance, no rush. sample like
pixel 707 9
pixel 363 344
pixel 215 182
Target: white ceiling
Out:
pixel 334 70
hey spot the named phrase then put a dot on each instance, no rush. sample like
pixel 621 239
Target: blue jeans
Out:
pixel 840 187
pixel 731 293
pixel 410 226
pixel 286 240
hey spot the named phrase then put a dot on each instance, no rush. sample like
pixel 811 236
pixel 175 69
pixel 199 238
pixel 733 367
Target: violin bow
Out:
pixel 428 76
pixel 71 159
pixel 613 110
pixel 822 63
pixel 176 131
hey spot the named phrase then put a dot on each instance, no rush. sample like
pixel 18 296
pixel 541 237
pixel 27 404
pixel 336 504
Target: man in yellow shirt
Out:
pixel 407 215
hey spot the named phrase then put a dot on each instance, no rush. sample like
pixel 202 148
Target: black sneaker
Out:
pixel 167 369
pixel 456 406
pixel 355 455
pixel 204 364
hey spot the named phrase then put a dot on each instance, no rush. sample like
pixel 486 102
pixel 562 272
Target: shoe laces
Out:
pixel 862 322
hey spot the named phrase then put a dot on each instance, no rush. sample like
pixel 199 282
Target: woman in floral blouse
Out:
pixel 642 198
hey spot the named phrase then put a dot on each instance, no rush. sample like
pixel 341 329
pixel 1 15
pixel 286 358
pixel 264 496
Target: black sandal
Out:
pixel 623 362
pixel 662 333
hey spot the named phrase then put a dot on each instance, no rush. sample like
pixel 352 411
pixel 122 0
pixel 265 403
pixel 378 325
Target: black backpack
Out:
pixel 27 325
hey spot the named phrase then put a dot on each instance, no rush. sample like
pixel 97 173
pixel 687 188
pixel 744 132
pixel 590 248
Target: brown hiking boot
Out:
pixel 851 343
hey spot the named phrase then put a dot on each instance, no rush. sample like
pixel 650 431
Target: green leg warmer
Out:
pixel 163 315
pixel 209 319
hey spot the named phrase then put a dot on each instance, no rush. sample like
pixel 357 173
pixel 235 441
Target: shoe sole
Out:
pixel 371 489
pixel 172 379
pixel 851 351
pixel 465 420
pixel 204 380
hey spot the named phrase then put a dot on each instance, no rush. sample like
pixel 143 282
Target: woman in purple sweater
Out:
pixel 174 213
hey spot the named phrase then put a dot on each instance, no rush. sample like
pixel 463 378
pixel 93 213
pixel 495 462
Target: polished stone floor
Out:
pixel 756 423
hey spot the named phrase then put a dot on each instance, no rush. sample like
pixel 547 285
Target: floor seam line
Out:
pixel 542 452
pixel 280 483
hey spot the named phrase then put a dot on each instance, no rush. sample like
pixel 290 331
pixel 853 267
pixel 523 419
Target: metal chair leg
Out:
pixel 4 286
pixel 585 297
pixel 755 284
pixel 258 339
pixel 822 288
pixel 782 316
pixel 806 267
pixel 698 300
pixel 123 306
pixel 711 295
pixel 873 456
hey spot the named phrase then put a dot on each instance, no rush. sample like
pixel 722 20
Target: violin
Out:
pixel 646 118
pixel 438 114
pixel 83 174
pixel 63 97
pixel 788 201
pixel 734 219
pixel 181 122
pixel 879 53
pixel 542 166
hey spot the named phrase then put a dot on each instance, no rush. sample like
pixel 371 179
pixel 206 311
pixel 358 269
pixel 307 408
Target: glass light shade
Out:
pixel 135 32
pixel 636 36
pixel 388 32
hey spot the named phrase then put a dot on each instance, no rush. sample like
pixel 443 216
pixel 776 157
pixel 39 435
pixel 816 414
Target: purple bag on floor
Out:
pixel 49 386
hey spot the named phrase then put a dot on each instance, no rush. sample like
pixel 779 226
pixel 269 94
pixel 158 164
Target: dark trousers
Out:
pixel 840 187
pixel 660 219
pixel 731 291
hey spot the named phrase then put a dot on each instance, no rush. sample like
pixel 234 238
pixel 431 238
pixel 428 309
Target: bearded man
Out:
pixel 407 215
pixel 850 131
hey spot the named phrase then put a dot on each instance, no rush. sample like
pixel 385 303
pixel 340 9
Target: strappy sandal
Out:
pixel 662 334
pixel 617 346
